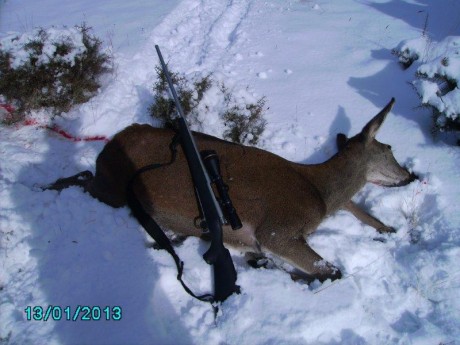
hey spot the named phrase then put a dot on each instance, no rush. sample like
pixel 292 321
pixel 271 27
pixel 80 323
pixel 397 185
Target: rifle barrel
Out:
pixel 197 174
pixel 170 83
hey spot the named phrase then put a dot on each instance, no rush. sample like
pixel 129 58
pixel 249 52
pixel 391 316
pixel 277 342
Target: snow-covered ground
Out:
pixel 325 67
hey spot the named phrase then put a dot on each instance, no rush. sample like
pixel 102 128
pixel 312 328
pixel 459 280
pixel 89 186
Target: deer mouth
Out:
pixel 410 178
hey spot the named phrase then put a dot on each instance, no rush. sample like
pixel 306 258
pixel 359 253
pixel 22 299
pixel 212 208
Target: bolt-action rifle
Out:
pixel 217 255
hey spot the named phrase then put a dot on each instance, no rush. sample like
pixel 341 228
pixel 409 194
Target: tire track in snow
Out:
pixel 205 36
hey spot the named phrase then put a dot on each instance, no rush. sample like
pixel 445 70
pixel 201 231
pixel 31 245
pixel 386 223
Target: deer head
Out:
pixel 381 166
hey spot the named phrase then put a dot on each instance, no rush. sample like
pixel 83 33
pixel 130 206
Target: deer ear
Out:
pixel 341 141
pixel 370 130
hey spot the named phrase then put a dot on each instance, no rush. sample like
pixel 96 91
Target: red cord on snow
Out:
pixel 71 137
pixel 55 128
pixel 8 107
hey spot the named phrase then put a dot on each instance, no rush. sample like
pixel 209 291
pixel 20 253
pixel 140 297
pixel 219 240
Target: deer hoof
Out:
pixel 260 263
pixel 257 260
pixel 334 274
pixel 328 272
pixel 386 230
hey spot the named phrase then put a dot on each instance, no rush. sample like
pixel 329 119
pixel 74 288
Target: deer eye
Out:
pixel 389 147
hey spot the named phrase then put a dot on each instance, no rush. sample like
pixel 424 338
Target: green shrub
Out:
pixel 190 96
pixel 245 123
pixel 53 69
pixel 242 120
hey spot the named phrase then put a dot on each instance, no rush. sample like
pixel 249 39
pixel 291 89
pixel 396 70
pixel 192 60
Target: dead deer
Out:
pixel 279 202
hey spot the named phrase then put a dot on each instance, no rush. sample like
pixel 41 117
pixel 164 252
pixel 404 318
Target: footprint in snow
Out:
pixel 262 75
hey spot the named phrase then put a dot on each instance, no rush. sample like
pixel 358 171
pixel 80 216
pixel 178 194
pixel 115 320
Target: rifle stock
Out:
pixel 224 276
pixel 217 255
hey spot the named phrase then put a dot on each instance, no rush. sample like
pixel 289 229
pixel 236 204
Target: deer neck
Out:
pixel 337 179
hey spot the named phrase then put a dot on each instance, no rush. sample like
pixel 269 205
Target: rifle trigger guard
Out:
pixel 200 223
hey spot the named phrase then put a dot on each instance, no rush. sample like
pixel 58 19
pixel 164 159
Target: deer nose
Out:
pixel 413 177
pixel 410 178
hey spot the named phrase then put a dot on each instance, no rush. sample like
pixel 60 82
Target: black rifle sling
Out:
pixel 152 227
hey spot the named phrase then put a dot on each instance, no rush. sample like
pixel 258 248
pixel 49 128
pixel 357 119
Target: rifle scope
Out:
pixel 212 164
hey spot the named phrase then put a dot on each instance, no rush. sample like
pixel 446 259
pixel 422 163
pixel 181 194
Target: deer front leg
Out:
pixel 366 218
pixel 295 251
pixel 257 260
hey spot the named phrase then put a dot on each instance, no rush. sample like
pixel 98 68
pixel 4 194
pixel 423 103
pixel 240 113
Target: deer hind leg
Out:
pixel 81 179
pixel 366 218
pixel 308 264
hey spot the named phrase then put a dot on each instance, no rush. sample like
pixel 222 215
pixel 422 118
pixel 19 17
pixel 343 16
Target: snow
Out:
pixel 438 64
pixel 325 67
pixel 14 44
